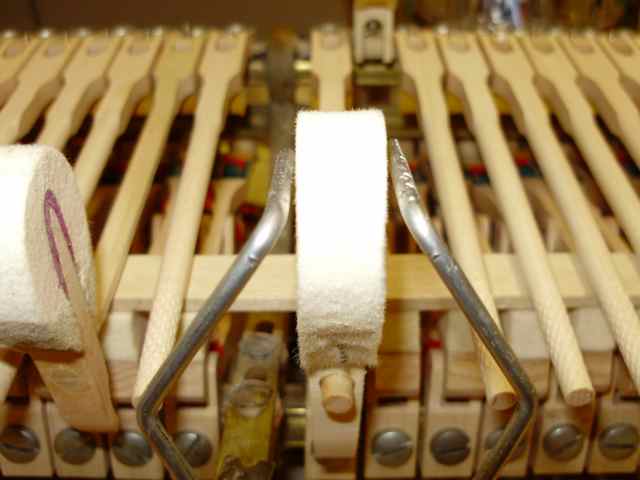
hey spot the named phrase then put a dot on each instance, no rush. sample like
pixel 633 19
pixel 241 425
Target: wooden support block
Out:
pixel 152 469
pixel 554 416
pixel 404 417
pixel 399 357
pixel 38 84
pixel 14 54
pixel 84 82
pixel 97 466
pixel 412 283
pixel 204 420
pixel 32 417
pixel 442 416
pixel 613 412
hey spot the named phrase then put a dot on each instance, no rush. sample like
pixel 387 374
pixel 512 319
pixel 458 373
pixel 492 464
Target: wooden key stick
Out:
pixel 38 83
pixel 557 80
pixel 419 56
pixel 84 82
pixel 175 80
pixel 220 71
pixel 49 287
pixel 600 82
pixel 468 79
pixel 331 64
pixel 129 81
pixel 515 79
pixel 13 56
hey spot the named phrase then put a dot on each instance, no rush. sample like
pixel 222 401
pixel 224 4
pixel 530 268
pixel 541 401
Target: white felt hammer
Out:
pixel 48 284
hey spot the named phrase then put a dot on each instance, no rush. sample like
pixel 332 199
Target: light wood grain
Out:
pixel 412 283
pixel 84 82
pixel 420 59
pixel 590 245
pixel 600 81
pixel 38 84
pixel 222 65
pixel 331 64
pixel 129 80
pixel 175 79
pixel 468 77
pixel 556 80
pixel 14 55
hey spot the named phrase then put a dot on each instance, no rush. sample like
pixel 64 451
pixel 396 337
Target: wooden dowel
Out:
pixel 38 83
pixel 175 80
pixel 84 83
pixel 576 211
pixel 228 193
pixel 600 82
pixel 469 78
pixel 425 67
pixel 337 392
pixel 557 80
pixel 221 68
pixel 129 80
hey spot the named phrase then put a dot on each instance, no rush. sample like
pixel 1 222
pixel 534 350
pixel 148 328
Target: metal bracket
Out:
pixel 259 244
pixel 417 220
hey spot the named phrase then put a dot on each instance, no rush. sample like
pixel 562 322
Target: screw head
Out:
pixel 492 439
pixel 450 446
pixel 563 442
pixel 618 441
pixel 392 447
pixel 19 444
pixel 195 447
pixel 131 448
pixel 251 397
pixel 258 345
pixel 373 28
pixel 74 447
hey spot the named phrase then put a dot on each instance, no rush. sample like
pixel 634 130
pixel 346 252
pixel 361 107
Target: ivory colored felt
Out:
pixel 48 283
pixel 340 244
pixel 36 188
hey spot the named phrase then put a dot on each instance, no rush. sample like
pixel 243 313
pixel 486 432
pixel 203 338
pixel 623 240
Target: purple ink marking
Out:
pixel 51 203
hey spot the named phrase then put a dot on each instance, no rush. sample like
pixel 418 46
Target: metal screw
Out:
pixel 131 448
pixel 450 446
pixel 492 439
pixel 563 442
pixel 74 447
pixel 195 447
pixel 373 28
pixel 258 345
pixel 618 441
pixel 19 444
pixel 392 447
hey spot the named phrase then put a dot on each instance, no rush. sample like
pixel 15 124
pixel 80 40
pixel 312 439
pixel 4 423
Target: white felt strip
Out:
pixel 341 202
pixel 37 193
